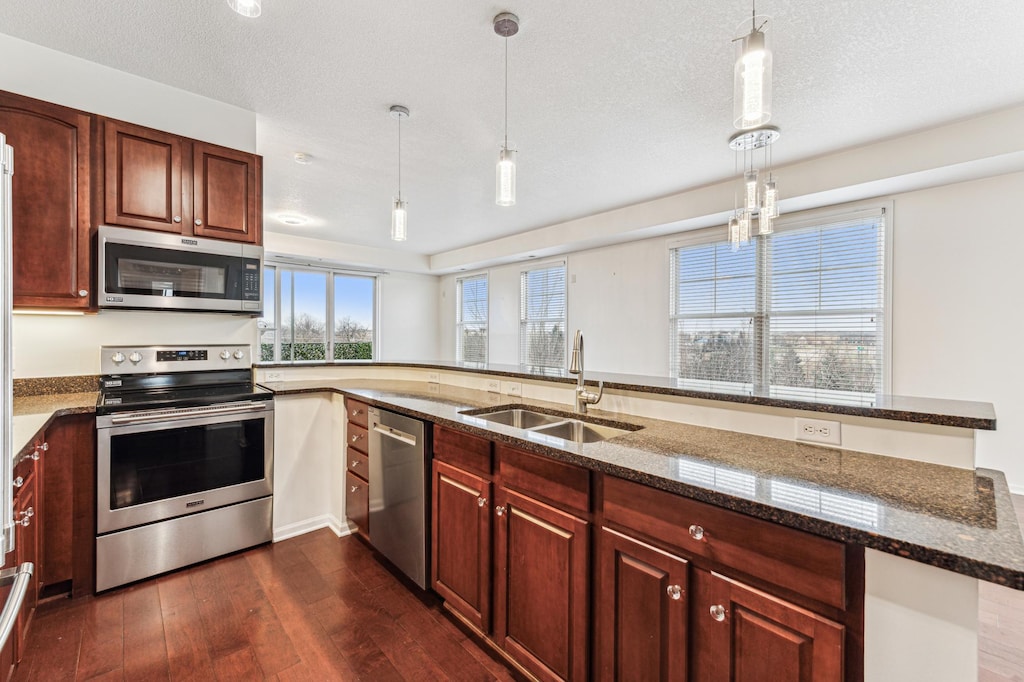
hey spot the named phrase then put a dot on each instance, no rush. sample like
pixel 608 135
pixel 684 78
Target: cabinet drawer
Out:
pixel 357 503
pixel 563 485
pixel 357 412
pixel 807 564
pixel 463 450
pixel 24 470
pixel 357 437
pixel 358 463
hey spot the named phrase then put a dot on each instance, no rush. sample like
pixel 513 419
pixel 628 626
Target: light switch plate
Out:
pixel 512 388
pixel 494 386
pixel 433 377
pixel 818 431
pixel 273 376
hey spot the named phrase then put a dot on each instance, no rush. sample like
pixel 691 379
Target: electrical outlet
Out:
pixel 493 386
pixel 273 376
pixel 818 431
pixel 433 377
pixel 512 388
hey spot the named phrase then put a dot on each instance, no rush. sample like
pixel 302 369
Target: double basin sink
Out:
pixel 552 425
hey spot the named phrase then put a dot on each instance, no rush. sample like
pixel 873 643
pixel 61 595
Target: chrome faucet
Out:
pixel 583 396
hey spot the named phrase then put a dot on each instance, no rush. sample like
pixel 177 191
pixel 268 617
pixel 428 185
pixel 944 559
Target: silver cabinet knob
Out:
pixel 718 612
pixel 18 482
pixel 24 522
pixel 354 463
pixel 82 293
pixel 500 511
pixel 696 532
pixel 481 501
pixel 177 218
pixel 675 592
pixel 356 412
pixel 198 222
pixel 353 489
pixel 356 437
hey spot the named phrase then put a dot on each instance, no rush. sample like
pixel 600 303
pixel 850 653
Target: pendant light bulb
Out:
pixel 750 191
pixel 399 221
pixel 505 178
pixel 766 223
pixel 752 81
pixel 247 8
pixel 744 227
pixel 734 233
pixel 771 199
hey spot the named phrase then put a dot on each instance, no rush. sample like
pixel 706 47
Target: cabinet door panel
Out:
pixel 143 178
pixel 541 591
pixel 761 638
pixel 461 543
pixel 641 625
pixel 357 503
pixel 225 194
pixel 51 202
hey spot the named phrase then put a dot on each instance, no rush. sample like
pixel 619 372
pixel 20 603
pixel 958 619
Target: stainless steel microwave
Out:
pixel 159 271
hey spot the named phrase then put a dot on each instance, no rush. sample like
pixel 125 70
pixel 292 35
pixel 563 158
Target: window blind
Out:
pixel 542 312
pixel 799 313
pixel 471 319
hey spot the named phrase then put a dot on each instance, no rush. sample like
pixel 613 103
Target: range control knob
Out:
pixel 239 354
pixel 117 358
pixel 135 357
pixel 225 355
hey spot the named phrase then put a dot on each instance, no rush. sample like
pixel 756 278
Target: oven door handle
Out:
pixel 168 415
pixel 20 578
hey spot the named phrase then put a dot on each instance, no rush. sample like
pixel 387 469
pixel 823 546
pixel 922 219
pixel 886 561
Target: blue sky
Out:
pixel 353 295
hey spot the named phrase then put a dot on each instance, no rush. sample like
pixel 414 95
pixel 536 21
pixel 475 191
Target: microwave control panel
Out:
pixel 251 272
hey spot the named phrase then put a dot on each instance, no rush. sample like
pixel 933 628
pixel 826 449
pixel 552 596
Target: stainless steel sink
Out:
pixel 521 419
pixel 551 425
pixel 580 432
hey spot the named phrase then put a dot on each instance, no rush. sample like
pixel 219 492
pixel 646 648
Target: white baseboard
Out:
pixel 292 530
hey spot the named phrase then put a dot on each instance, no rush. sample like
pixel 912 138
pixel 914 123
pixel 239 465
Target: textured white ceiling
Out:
pixel 611 102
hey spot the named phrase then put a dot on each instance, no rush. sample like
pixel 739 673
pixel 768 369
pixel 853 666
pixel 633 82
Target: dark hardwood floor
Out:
pixel 310 608
pixel 321 608
pixel 1001 627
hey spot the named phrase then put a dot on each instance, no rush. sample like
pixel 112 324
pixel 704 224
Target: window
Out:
pixel 799 313
pixel 316 315
pixel 542 310
pixel 471 319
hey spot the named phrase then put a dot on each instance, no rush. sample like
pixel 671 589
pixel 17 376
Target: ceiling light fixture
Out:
pixel 399 214
pixel 302 158
pixel 292 219
pixel 247 8
pixel 506 25
pixel 752 109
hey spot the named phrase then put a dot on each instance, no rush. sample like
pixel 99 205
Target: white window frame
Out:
pixel 524 321
pixel 460 324
pixel 838 213
pixel 330 273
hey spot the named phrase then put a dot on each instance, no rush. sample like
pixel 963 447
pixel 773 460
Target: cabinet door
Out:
pixel 225 194
pixel 357 503
pixel 746 635
pixel 26 548
pixel 51 209
pixel 460 558
pixel 642 604
pixel 142 185
pixel 541 590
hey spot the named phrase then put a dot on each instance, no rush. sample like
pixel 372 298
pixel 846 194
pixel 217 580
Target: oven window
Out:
pixel 158 465
pixel 148 271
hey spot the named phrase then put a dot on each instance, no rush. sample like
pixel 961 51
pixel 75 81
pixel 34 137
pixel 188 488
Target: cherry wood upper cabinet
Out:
pixel 51 204
pixel 226 193
pixel 143 170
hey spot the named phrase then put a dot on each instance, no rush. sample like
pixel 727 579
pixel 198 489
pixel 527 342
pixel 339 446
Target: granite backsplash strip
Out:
pixel 56 385
pixel 958 413
pixel 957 519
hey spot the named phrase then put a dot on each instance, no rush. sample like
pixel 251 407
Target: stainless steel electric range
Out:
pixel 185 459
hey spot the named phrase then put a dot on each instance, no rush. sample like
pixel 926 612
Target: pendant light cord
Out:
pixel 506 93
pixel 399 158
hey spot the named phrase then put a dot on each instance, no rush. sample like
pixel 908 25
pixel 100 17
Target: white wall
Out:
pixel 955 274
pixel 407 317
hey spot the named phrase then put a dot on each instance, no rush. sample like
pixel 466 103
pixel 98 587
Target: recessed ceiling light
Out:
pixel 303 158
pixel 247 8
pixel 292 218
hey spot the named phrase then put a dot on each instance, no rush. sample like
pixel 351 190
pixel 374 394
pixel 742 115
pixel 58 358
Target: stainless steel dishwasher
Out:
pixel 398 491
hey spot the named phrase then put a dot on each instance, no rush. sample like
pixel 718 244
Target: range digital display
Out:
pixel 180 355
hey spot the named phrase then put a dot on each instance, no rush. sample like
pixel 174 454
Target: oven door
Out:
pixel 160 464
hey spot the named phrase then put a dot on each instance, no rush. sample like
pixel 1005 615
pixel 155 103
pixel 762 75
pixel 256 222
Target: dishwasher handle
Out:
pixel 20 577
pixel 390 432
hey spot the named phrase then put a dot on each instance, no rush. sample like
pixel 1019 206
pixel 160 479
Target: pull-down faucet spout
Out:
pixel 583 397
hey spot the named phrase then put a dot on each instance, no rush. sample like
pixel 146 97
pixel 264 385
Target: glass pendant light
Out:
pixel 247 8
pixel 750 190
pixel 399 212
pixel 752 77
pixel 506 25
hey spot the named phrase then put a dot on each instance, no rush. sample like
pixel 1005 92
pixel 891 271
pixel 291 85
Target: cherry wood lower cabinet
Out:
pixel 643 605
pixel 357 503
pixel 461 543
pixel 357 486
pixel 747 635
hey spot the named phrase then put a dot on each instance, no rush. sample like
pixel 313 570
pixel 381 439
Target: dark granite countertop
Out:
pixel 961 413
pixel 956 519
pixel 34 413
